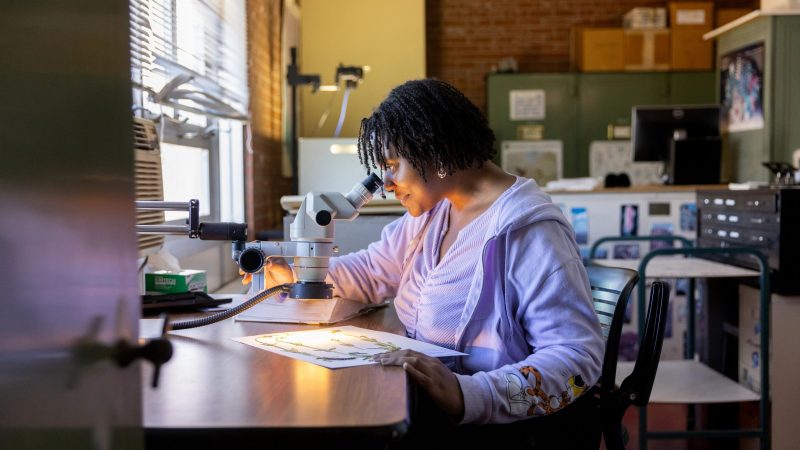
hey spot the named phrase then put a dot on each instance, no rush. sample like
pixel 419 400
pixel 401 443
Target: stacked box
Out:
pixel 647 50
pixel 780 5
pixel 599 49
pixel 645 18
pixel 689 21
pixel 727 15
pixel 167 282
pixel 750 358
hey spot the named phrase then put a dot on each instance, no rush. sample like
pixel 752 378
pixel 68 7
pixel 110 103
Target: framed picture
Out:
pixel 540 160
pixel 688 217
pixel 661 229
pixel 742 89
pixel 580 223
pixel 626 251
pixel 629 220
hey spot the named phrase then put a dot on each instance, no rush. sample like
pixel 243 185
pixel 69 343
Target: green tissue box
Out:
pixel 167 282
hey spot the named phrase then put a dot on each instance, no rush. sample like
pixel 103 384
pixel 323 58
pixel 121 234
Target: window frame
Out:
pixel 213 256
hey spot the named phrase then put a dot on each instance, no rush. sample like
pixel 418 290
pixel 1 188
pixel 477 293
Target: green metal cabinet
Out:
pixel 607 99
pixel 692 88
pixel 744 151
pixel 561 110
pixel 580 106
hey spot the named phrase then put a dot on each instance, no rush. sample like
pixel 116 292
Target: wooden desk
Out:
pixel 218 393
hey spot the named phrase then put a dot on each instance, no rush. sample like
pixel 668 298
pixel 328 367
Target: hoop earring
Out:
pixel 441 173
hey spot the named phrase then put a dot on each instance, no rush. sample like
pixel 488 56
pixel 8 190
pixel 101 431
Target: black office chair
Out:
pixel 611 288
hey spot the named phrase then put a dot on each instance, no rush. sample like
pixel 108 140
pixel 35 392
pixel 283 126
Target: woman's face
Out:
pixel 416 195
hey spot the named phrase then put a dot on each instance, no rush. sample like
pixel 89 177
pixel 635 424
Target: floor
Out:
pixel 673 417
pixel 659 417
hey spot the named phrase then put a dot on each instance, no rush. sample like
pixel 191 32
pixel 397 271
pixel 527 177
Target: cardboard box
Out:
pixel 599 49
pixel 750 367
pixel 689 50
pixel 166 282
pixel 749 338
pixel 691 15
pixel 647 50
pixel 645 18
pixel 780 5
pixel 727 15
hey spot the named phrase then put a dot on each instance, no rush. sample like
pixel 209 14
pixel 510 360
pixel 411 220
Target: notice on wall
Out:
pixel 526 104
pixel 690 17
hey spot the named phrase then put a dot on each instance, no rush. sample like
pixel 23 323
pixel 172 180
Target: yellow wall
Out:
pixel 387 35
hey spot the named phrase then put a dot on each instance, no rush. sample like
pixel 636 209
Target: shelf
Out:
pixel 747 18
pixel 688 381
pixel 670 267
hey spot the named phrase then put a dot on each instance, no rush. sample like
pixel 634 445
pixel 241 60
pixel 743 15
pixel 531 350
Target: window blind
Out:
pixel 190 55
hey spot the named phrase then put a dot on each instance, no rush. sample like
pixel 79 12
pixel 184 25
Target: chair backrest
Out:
pixel 638 385
pixel 635 388
pixel 611 288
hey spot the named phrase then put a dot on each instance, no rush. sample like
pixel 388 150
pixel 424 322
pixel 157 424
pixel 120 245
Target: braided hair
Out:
pixel 429 123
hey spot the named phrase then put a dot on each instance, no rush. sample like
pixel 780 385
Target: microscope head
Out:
pixel 311 240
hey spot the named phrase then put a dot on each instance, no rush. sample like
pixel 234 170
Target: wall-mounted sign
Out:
pixel 526 104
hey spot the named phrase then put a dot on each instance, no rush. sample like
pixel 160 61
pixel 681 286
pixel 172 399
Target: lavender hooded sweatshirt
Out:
pixel 528 325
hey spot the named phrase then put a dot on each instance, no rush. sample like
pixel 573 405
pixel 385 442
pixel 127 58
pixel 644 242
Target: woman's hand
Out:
pixel 430 373
pixel 276 271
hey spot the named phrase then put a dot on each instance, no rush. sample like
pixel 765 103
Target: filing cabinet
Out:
pixel 765 219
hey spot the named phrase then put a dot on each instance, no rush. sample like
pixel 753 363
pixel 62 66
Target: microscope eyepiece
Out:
pixel 372 183
pixel 362 192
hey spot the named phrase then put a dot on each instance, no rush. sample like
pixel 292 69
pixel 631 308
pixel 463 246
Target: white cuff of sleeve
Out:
pixel 477 408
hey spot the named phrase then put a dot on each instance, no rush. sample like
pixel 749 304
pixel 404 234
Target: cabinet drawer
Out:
pixel 729 218
pixel 730 200
pixel 754 220
pixel 740 236
pixel 739 219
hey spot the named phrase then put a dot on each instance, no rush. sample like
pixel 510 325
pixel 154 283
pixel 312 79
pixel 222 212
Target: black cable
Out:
pixel 228 313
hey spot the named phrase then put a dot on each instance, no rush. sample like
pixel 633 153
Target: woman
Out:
pixel 482 263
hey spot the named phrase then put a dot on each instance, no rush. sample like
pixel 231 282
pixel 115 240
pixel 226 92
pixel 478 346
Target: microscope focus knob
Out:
pixel 252 260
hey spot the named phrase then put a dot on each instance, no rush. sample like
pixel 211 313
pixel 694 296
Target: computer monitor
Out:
pixel 685 138
pixel 656 127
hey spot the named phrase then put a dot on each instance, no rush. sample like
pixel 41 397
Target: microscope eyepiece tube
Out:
pixel 362 192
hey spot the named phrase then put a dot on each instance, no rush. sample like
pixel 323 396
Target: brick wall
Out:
pixel 467 38
pixel 264 183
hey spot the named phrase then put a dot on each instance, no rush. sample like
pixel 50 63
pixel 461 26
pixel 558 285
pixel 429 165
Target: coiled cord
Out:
pixel 228 313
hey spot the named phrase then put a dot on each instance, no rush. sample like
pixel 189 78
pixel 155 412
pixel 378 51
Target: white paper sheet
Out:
pixel 528 104
pixel 339 347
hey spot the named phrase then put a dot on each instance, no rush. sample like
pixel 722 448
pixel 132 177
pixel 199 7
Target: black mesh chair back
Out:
pixel 635 388
pixel 611 288
pixel 638 385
